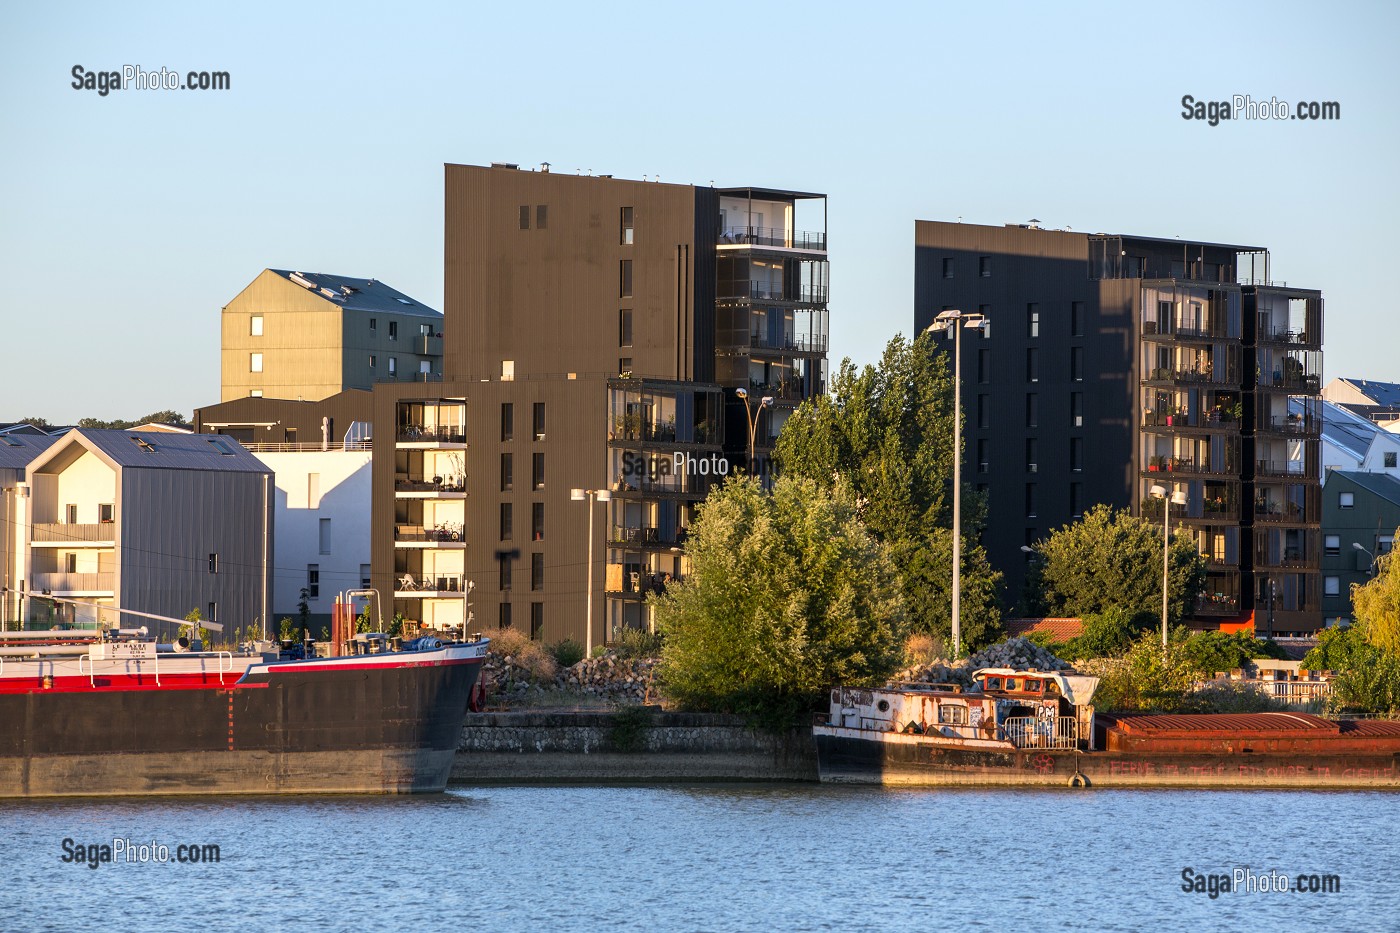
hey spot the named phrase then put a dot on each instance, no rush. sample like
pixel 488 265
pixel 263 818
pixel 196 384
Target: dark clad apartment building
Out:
pixel 1115 364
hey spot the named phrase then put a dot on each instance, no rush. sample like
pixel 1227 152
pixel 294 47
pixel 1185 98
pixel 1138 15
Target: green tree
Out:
pixel 1108 634
pixel 163 417
pixel 40 423
pixel 1376 605
pixel 788 594
pixel 1111 560
pixel 1209 652
pixel 887 433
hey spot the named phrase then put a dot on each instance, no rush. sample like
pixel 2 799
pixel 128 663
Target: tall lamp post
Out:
pixel 591 496
pixel 765 402
pixel 1176 498
pixel 1370 571
pixel 947 321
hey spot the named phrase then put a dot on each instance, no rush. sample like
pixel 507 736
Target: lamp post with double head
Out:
pixel 1175 498
pixel 947 322
pixel 765 402
pixel 1371 570
pixel 591 496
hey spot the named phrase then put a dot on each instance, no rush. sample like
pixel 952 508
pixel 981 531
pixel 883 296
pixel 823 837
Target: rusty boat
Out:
pixel 1039 728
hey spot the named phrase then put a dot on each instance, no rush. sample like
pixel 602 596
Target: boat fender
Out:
pixel 1078 780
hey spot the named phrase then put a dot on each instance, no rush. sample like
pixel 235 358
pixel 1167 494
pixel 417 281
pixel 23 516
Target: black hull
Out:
pixel 375 729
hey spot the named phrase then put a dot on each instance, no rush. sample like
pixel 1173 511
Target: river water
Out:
pixel 707 857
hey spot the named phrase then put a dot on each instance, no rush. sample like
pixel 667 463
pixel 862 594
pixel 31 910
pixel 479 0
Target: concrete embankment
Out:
pixel 631 745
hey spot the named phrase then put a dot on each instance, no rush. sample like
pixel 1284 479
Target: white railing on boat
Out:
pixel 222 655
pixel 1033 732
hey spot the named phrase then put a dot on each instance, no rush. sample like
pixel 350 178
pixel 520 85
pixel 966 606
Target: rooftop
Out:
pixel 1382 485
pixel 1342 427
pixel 358 294
pixel 16 450
pixel 166 451
pixel 1386 394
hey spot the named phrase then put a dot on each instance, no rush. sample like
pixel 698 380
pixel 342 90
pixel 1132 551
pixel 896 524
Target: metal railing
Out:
pixel 75 582
pixel 1033 732
pixel 430 583
pixel 418 432
pixel 773 236
pixel 419 533
pixel 404 484
pixel 272 447
pixel 43 532
pixel 802 344
pixel 775 291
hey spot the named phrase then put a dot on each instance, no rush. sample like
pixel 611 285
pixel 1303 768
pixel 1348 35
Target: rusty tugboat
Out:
pixel 112 712
pixel 1039 728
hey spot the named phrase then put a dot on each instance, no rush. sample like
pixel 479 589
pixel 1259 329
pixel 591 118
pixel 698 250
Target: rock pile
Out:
pixel 607 676
pixel 1021 654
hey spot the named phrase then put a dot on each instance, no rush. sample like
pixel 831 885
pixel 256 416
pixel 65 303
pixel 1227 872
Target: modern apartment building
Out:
pixel 1116 364
pixel 17 449
pixel 308 335
pixel 1360 515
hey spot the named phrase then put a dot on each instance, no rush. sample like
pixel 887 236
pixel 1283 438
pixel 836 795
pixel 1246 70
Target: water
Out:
pixel 717 858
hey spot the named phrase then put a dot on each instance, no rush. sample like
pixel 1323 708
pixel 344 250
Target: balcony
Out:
pixel 1281 469
pixel 419 435
pixel 437 586
pixel 438 487
pixel 1218 604
pixel 1204 376
pixel 1295 383
pixel 75 584
pixel 772 236
pixel 1283 336
pixel 1273 511
pixel 1291 425
pixel 788 342
pixel 644 536
pixel 1205 465
pixel 774 291
pixel 1217 418
pixel 446 535
pixel 783 390
pixel 428 345
pixel 63 534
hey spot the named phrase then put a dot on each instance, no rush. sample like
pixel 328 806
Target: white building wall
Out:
pixel 311 486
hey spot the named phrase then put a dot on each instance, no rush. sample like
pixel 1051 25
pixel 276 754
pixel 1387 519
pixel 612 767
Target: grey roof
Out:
pixel 20 427
pixel 1380 393
pixel 359 294
pixel 139 449
pixel 1380 484
pixel 16 450
pixel 1343 428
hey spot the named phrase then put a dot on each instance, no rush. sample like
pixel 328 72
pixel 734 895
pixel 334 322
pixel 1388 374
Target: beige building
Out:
pixel 308 336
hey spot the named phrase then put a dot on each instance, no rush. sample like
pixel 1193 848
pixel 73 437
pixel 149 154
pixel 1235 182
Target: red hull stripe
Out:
pixel 295 667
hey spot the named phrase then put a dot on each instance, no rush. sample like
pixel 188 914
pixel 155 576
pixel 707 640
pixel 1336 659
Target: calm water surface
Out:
pixel 709 858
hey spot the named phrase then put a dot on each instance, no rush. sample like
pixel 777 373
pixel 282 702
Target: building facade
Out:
pixel 1116 364
pixel 1360 516
pixel 17 449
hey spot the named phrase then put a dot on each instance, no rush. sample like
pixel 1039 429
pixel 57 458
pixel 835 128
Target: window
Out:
pixel 1032 461
pixel 1076 498
pixel 1030 500
pixel 1032 364
pixel 106 512
pixel 507 473
pixel 984 266
pixel 537 521
pixel 70 513
pixel 626 226
pixel 983 463
pixel 507 421
pixel 524 217
pixel 1032 321
pixel 984 411
pixel 366 578
pixel 425 330
pixel 536 621
pixel 1032 410
pixel 325 536
pixel 70 562
pixel 255 362
pixel 505 616
pixel 507 370
pixel 1076 364
pixel 213 615
pixel 1076 409
pixel 255 393
pixel 539 421
pixel 506 569
pixel 393 330
pixel 541 216
pixel 984 366
pixel 393 365
pixel 537 471
pixel 256 325
pixel 424 366
pixel 373 361
pixel 624 365
pixel 624 284
pixel 1384 544
pixel 1076 455
pixel 1346 500
pixel 507 521
pixel 536 572
pixel 1331 586
pixel 947 267
pixel 313 581
pixel 1076 318
pixel 624 327
pixel 952 715
pixel 213 563
pixel 373 326
pixel 1332 544
pixel 1388 459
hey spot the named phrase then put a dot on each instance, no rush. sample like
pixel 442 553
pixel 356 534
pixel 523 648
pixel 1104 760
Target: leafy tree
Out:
pixel 163 417
pixel 1209 652
pixel 1111 559
pixel 1108 634
pixel 1376 605
pixel 886 432
pixel 788 594
pixel 39 423
pixel 1367 677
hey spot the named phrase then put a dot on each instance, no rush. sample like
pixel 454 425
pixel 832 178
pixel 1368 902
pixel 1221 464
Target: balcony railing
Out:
pixel 428 345
pixel 773 236
pixel 416 433
pixel 1217 604
pixel 430 583
pixel 437 484
pixel 1214 418
pixel 1222 467
pixel 1287 512
pixel 1292 424
pixel 1302 383
pixel 75 582
pixel 63 533
pixel 1287 469
pixel 1282 335
pixel 416 533
pixel 774 291
pixel 623 536
pixel 1207 376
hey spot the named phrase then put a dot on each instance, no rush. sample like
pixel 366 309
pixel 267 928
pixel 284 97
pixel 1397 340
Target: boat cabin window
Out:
pixel 991 683
pixel 1010 683
pixel 952 715
pixel 1032 685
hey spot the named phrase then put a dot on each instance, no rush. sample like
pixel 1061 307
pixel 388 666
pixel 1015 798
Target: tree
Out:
pixel 787 595
pixel 886 432
pixel 39 423
pixel 1110 559
pixel 1376 605
pixel 1107 634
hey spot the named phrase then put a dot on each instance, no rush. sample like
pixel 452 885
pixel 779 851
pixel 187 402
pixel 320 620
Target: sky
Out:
pixel 127 221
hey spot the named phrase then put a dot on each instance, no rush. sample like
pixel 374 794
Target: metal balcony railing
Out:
pixel 773 236
pixel 429 583
pixel 452 434
pixel 62 532
pixel 75 582
pixel 775 291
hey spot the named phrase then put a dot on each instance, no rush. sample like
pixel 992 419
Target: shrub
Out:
pixel 567 653
pixel 637 643
pixel 1209 652
pixel 921 650
pixel 524 653
pixel 1108 634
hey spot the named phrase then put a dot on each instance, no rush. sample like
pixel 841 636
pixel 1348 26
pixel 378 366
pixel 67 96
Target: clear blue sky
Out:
pixel 128 221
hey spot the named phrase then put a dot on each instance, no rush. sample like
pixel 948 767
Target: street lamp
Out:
pixel 765 402
pixel 1176 498
pixel 592 496
pixel 1370 571
pixel 947 321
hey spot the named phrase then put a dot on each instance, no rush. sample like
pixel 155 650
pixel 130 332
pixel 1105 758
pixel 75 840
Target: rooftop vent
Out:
pixel 144 444
pixel 504 165
pixel 302 280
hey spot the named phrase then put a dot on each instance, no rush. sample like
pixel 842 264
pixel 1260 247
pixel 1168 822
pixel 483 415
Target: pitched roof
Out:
pixel 1058 629
pixel 1379 484
pixel 171 451
pixel 358 294
pixel 1342 428
pixel 16 450
pixel 1380 393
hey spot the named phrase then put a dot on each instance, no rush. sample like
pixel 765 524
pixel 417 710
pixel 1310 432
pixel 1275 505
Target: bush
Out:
pixel 921 650
pixel 567 653
pixel 1367 677
pixel 1108 634
pixel 524 653
pixel 1211 652
pixel 637 643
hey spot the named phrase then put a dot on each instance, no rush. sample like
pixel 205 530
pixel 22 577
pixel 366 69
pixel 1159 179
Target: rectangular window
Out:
pixel 1332 544
pixel 1331 586
pixel 70 563
pixel 106 512
pixel 626 238
pixel 1076 318
pixel 1384 544
pixel 507 521
pixel 984 266
pixel 624 279
pixel 325 536
pixel 256 325
pixel 507 370
pixel 541 216
pixel 624 365
pixel 425 330
pixel 373 326
pixel 1032 321
pixel 1076 500
pixel 536 572
pixel 313 581
pixel 1030 500
pixel 373 361
pixel 505 570
pixel 71 513
pixel 505 616
pixel 984 366
pixel 537 521
pixel 539 421
pixel 537 471
pixel 984 411
pixel 507 472
pixel 1076 364
pixel 524 217
pixel 507 421
pixel 1346 500
pixel 255 362
pixel 1032 364
pixel 1076 455
pixel 393 365
pixel 624 327
pixel 1032 410
pixel 424 367
pixel 213 615
pixel 1076 409
pixel 1032 461
pixel 213 563
pixel 393 330
pixel 1388 459
pixel 536 621
pixel 947 267
pixel 983 463
pixel 255 393
pixel 952 715
pixel 366 578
